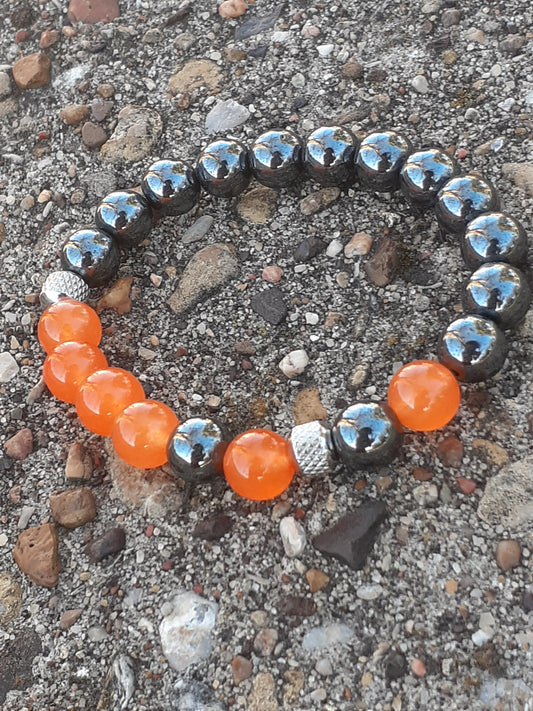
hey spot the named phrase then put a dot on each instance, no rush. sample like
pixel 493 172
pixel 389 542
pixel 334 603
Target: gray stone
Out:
pixel 135 137
pixel 16 661
pixel 270 305
pixel 198 229
pixel 225 116
pixel 5 85
pixel 508 496
pixel 255 25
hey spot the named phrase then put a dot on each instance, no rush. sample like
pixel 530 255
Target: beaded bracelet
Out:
pixel 259 464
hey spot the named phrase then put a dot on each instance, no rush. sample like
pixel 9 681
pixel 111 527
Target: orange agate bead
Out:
pixel 104 395
pixel 141 433
pixel 68 320
pixel 259 464
pixel 424 395
pixel 68 366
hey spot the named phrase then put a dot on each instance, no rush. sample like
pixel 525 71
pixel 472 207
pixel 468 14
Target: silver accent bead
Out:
pixel 196 449
pixel 473 348
pixel 126 215
pixel 380 158
pixel 171 187
pixel 424 173
pixel 61 284
pixel 498 291
pixel 329 156
pixel 313 449
pixel 223 168
pixel 276 158
pixel 462 199
pixel 494 237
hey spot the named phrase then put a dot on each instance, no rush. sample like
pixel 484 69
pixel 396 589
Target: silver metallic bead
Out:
pixel 313 449
pixel 276 158
pixel 92 254
pixel 494 237
pixel 462 199
pixel 125 215
pixel 473 348
pixel 424 173
pixel 223 168
pixel 196 449
pixel 498 291
pixel 171 187
pixel 329 156
pixel 61 284
pixel 366 434
pixel 380 159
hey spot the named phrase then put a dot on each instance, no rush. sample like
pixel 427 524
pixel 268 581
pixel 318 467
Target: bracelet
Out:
pixel 259 464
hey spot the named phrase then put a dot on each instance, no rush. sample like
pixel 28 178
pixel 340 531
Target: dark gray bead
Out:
pixel 276 158
pixel 462 199
pixel 494 237
pixel 61 284
pixel 329 156
pixel 473 348
pixel 498 291
pixel 366 434
pixel 196 449
pixel 125 215
pixel 424 173
pixel 223 168
pixel 171 187
pixel 380 159
pixel 92 254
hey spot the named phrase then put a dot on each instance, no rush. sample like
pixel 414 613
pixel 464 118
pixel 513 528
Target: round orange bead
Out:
pixel 68 366
pixel 141 433
pixel 424 395
pixel 259 465
pixel 68 320
pixel 104 395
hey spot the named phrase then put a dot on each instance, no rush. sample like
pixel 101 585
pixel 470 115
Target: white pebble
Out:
pixel 311 318
pixel 8 367
pixel 320 637
pixel 426 494
pixel 225 116
pixel 294 363
pixel 369 592
pixel 298 81
pixel 334 248
pixel 292 536
pixel 480 638
pixel 420 84
pixel 325 50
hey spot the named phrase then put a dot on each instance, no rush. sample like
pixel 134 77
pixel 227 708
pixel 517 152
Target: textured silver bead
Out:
pixel 380 158
pixel 329 156
pixel 498 291
pixel 196 449
pixel 60 284
pixel 424 173
pixel 313 449
pixel 494 237
pixel 462 199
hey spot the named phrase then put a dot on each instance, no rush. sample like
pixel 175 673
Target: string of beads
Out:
pixel 259 464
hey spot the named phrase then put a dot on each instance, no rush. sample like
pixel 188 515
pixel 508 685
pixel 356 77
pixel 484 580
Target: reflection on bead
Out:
pixel 462 199
pixel 494 237
pixel 68 320
pixel 366 434
pixel 125 215
pixel 329 156
pixel 60 284
pixel 68 366
pixel 313 449
pixel 473 348
pixel 380 159
pixel 498 291
pixel 223 168
pixel 276 158
pixel 171 187
pixel 92 254
pixel 424 173
pixel 141 432
pixel 196 449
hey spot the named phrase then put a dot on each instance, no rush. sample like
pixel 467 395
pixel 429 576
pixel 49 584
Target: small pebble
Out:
pixel 20 445
pixel 420 84
pixel 8 367
pixel 467 486
pixel 418 667
pixel 292 536
pixel 369 592
pixel 232 8
pixel 271 274
pixel 294 363
pixel 508 554
pixel 359 245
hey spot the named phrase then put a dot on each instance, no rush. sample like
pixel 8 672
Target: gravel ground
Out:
pixel 445 627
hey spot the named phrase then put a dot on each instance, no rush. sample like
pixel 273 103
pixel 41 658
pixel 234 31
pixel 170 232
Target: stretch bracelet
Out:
pixel 260 464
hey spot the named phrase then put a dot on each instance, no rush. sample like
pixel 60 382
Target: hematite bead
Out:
pixel 366 434
pixel 276 158
pixel 494 237
pixel 196 449
pixel 329 156
pixel 462 199
pixel 380 159
pixel 424 173
pixel 171 187
pixel 473 348
pixel 60 284
pixel 499 292
pixel 92 254
pixel 313 449
pixel 125 215
pixel 223 168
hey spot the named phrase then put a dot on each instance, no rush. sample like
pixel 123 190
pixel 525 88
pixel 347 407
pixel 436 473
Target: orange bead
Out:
pixel 141 433
pixel 259 464
pixel 424 395
pixel 68 366
pixel 104 395
pixel 68 320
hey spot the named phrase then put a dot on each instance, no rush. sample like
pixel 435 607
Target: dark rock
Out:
pixel 382 267
pixel 450 17
pixel 21 16
pixel 213 528
pixel 190 695
pixel 180 14
pixel 258 52
pixel 439 43
pixel 309 248
pixel 527 601
pixel 299 102
pixel 395 665
pixel 255 25
pixel 293 605
pixel 110 542
pixel 270 305
pixel 487 657
pixel 16 661
pixel 512 44
pixel 352 538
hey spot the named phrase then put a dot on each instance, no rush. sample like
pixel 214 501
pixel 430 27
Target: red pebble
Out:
pixel 418 667
pixel 149 530
pixel 22 36
pixel 467 486
pixel 167 565
pixel 462 153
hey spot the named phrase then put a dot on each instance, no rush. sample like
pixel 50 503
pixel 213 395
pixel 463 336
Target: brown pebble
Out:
pixel 318 200
pixel 20 445
pixel 265 642
pixel 112 541
pixel 359 245
pixel 241 667
pixel 308 407
pixel 508 554
pixel 79 464
pixel 352 69
pixel 232 8
pixel 22 36
pixel 381 268
pixel 73 507
pixel 418 667
pixel 69 617
pixel 451 587
pixel 271 274
pixel 36 554
pixel 93 135
pixel 14 494
pixel 490 452
pixel 106 91
pixel 450 451
pixel 92 11
pixel 316 579
pixel 244 348
pixel 467 486
pixel 33 71
pixel 422 474
pixel 383 483
pixel 117 297
pixel 74 114
pixel 48 38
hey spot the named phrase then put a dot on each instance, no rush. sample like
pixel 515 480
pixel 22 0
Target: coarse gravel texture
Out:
pixel 286 76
